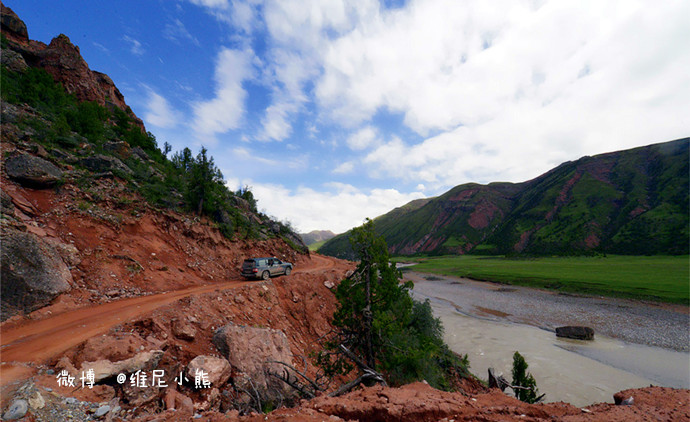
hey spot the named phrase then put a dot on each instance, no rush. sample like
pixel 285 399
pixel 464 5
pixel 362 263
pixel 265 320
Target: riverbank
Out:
pixel 648 323
pixel 489 322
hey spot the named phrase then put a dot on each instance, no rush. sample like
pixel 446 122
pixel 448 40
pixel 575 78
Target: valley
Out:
pixel 122 298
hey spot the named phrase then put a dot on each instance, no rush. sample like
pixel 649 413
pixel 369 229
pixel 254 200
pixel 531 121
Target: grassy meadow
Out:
pixel 659 278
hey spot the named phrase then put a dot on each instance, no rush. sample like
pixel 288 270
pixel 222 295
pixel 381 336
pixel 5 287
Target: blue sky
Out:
pixel 334 111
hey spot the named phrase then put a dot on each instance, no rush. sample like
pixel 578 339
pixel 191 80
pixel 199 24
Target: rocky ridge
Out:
pixel 62 60
pixel 632 202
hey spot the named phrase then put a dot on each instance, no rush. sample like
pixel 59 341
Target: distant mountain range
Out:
pixel 315 236
pixel 627 202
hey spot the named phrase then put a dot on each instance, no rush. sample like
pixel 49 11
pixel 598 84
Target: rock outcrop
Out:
pixel 63 60
pixel 33 273
pixel 101 163
pixel 32 171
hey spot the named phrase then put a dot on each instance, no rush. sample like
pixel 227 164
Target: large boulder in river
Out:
pixel 575 332
pixel 33 273
pixel 32 171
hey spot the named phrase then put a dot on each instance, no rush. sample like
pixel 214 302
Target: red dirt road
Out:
pixel 35 342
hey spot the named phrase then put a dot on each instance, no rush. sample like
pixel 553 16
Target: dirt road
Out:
pixel 35 342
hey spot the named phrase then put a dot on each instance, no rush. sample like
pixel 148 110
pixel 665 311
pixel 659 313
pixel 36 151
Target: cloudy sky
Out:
pixel 333 111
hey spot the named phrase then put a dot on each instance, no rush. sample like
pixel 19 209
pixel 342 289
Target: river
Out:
pixel 489 322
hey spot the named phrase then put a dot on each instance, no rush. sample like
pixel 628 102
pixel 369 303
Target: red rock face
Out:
pixel 63 61
pixel 12 26
pixel 482 215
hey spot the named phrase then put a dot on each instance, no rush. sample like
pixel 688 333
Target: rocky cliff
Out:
pixel 62 60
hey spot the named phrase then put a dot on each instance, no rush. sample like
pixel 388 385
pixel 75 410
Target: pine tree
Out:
pixel 379 322
pixel 527 390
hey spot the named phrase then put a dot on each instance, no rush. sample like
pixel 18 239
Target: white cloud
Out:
pixel 339 209
pixel 512 93
pixel 275 123
pixel 363 138
pixel 176 31
pixel 135 46
pixel 344 168
pixel 159 112
pixel 226 110
pixel 500 90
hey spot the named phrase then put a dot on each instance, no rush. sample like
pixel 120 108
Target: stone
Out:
pixel 140 153
pixel 104 369
pixel 575 332
pixel 183 330
pixel 17 410
pixel 217 369
pixel 13 61
pixel 620 399
pixel 32 272
pixel 251 351
pixel 37 401
pixel 101 411
pixel 120 148
pixel 100 163
pixel 33 172
pixel 175 400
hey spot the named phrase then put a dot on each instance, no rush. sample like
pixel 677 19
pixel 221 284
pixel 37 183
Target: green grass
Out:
pixel 315 246
pixel 659 278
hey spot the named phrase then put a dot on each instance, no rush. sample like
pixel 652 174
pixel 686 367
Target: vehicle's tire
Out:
pixel 266 275
pixel 288 270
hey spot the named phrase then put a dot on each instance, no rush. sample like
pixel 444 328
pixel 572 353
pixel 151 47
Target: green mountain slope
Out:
pixel 628 202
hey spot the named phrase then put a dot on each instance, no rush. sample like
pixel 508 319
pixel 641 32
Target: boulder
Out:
pixel 13 60
pixel 183 330
pixel 140 153
pixel 251 351
pixel 120 148
pixel 217 369
pixel 575 332
pixel 104 369
pixel 33 273
pixel 32 171
pixel 17 410
pixel 100 163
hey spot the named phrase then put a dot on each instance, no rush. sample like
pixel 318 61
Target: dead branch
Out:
pixel 368 374
pixel 317 386
pixel 500 382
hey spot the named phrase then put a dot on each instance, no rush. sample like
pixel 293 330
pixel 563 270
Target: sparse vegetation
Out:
pixel 184 182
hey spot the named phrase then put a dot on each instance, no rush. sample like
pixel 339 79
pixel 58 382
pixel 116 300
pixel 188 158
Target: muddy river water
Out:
pixel 636 344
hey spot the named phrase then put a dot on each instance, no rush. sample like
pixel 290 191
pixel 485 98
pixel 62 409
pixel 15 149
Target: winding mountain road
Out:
pixel 34 342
